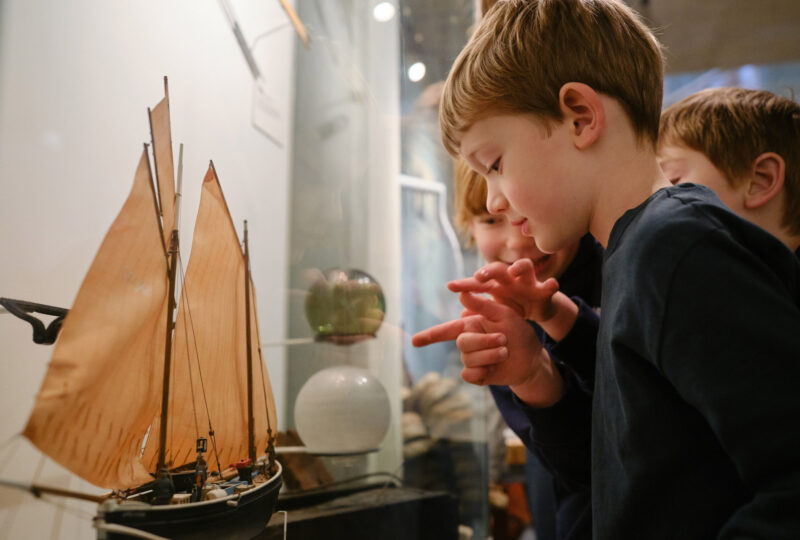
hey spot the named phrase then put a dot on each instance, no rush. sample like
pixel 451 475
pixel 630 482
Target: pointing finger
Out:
pixel 441 332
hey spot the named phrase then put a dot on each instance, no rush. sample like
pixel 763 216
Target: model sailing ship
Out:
pixel 158 410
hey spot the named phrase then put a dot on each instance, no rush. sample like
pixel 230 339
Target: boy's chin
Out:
pixel 551 240
pixel 546 245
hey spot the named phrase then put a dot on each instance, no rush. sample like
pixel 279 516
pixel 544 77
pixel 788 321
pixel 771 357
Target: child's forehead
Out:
pixel 476 135
pixel 673 150
pixel 671 146
pixel 665 149
pixel 490 128
pixel 488 123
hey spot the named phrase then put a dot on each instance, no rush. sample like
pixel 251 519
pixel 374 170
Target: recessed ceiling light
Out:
pixel 416 71
pixel 383 12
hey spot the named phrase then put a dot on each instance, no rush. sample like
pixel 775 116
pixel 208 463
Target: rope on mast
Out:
pixel 211 433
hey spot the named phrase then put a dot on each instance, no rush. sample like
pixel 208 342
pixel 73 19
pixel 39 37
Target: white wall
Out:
pixel 76 78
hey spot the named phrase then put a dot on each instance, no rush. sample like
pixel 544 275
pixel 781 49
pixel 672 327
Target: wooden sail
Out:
pixel 162 157
pixel 100 392
pixel 210 334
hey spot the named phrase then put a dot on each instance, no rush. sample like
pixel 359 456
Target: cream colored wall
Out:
pixel 75 81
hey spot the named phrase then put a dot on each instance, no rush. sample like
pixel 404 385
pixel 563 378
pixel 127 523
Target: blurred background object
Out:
pixel 345 305
pixel 342 410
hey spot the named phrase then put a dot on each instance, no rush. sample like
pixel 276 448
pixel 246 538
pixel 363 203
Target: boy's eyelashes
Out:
pixel 490 220
pixel 672 171
pixel 494 167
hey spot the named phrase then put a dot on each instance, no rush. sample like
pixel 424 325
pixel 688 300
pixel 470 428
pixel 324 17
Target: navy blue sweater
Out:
pixel 694 431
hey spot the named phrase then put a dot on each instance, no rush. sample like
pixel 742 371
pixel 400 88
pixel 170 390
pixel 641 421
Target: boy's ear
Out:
pixel 583 109
pixel 766 180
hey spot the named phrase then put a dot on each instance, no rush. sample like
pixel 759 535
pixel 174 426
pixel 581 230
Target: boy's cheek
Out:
pixel 488 249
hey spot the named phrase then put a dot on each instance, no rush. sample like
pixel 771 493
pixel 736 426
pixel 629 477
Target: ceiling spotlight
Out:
pixel 416 71
pixel 383 12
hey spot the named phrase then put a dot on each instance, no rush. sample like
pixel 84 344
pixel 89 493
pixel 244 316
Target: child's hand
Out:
pixel 515 286
pixel 498 347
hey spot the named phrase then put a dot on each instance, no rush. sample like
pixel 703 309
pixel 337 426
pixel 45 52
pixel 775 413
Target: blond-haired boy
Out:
pixel 745 145
pixel 504 247
pixel 694 421
pixel 557 511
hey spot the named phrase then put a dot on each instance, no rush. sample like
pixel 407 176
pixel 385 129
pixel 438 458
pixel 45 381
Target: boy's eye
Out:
pixel 491 220
pixel 674 180
pixel 495 166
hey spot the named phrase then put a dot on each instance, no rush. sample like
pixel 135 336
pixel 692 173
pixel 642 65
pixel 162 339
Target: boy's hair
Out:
pixel 470 196
pixel 524 51
pixel 732 127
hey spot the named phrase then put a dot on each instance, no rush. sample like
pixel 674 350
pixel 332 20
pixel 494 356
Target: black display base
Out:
pixel 390 513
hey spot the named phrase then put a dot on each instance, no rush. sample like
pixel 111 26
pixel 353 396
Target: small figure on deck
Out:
pixel 200 470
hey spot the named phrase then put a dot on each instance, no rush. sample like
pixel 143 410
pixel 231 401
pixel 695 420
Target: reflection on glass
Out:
pixel 344 306
pixel 444 419
pixel 782 79
pixel 348 152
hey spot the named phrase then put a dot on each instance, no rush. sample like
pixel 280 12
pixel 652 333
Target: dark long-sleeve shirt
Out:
pixel 694 426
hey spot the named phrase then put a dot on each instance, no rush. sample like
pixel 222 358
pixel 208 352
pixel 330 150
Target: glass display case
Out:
pixel 370 191
pixel 321 118
pixel 321 121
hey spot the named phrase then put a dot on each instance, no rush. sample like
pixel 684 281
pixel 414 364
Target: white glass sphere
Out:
pixel 342 410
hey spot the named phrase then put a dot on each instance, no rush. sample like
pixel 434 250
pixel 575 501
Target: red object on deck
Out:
pixel 242 463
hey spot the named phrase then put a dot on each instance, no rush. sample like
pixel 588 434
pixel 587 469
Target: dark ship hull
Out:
pixel 235 517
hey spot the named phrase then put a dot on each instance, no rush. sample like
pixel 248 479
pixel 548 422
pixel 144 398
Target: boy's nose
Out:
pixel 496 203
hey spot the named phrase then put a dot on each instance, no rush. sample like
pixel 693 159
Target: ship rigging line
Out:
pixel 171 425
pixel 200 372
pixel 264 387
pixel 188 355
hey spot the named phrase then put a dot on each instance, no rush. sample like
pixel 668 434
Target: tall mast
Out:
pixel 179 188
pixel 251 445
pixel 168 206
pixel 162 440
